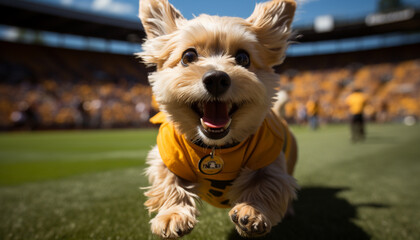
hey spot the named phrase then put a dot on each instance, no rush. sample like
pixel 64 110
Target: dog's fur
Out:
pixel 259 198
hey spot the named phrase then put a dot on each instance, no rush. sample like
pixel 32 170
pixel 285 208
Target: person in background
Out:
pixel 382 115
pixel 301 117
pixel 357 102
pixel 312 109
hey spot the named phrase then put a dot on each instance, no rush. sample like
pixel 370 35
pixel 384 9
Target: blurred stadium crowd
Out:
pixel 390 78
pixel 44 88
pixel 50 88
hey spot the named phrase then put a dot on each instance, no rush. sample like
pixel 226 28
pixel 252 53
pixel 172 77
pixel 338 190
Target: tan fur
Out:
pixel 261 196
pixel 262 191
pixel 171 197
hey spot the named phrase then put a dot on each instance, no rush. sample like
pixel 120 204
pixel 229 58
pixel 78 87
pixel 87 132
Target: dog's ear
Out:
pixel 271 22
pixel 158 17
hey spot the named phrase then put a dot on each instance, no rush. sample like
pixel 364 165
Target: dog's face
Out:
pixel 214 77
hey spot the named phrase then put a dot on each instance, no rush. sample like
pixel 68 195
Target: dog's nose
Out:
pixel 216 82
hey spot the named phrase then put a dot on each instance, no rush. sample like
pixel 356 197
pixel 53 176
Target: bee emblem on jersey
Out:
pixel 210 164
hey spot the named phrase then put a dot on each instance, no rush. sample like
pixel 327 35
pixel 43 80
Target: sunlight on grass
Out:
pixel 85 185
pixel 27 157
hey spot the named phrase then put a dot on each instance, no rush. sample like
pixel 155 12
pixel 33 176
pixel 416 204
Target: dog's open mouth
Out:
pixel 215 118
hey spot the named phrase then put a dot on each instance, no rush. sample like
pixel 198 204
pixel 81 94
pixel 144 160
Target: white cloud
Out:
pixel 302 2
pixel 111 6
pixel 66 2
pixel 100 4
pixel 10 33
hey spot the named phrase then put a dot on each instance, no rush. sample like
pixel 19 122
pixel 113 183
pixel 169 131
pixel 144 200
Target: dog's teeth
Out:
pixel 215 130
pixel 203 124
pixel 228 124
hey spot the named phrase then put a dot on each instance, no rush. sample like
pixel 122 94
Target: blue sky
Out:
pixel 306 12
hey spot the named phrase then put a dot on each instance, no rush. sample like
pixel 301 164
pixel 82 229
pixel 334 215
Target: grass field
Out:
pixel 85 185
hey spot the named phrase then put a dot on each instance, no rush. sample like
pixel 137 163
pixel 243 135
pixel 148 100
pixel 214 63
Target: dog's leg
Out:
pixel 172 198
pixel 261 198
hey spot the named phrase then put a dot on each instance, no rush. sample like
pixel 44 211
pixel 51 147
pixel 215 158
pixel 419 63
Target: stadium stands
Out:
pixel 390 77
pixel 44 87
pixel 50 87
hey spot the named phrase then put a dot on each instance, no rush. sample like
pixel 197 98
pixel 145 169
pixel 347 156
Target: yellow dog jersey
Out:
pixel 215 174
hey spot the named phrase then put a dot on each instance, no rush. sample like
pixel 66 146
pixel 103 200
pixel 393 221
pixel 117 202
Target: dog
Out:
pixel 219 140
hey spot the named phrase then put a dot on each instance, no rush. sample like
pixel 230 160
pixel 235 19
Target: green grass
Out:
pixel 27 157
pixel 85 185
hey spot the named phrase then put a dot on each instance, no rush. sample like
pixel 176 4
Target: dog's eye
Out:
pixel 189 56
pixel 242 58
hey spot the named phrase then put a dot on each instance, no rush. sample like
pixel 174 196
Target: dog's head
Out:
pixel 214 77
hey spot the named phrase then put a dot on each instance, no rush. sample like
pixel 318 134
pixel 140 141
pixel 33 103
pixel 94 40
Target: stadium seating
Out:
pixel 45 87
pixel 42 87
pixel 389 77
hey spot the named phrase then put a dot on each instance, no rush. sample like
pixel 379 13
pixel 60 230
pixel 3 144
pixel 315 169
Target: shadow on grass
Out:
pixel 320 214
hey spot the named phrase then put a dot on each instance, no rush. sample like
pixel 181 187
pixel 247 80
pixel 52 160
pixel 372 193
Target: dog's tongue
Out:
pixel 215 114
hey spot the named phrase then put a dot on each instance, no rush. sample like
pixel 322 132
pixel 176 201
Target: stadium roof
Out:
pixel 407 20
pixel 45 17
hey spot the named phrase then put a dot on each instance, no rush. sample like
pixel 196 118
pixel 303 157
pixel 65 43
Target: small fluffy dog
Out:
pixel 219 140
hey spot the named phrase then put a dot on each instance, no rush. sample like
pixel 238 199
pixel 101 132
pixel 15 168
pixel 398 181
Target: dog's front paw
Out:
pixel 249 221
pixel 172 224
